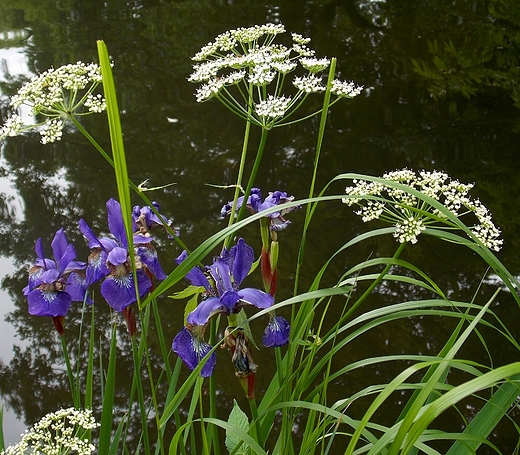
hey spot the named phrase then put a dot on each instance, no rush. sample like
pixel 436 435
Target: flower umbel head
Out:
pixel 411 214
pixel 60 432
pixel 247 58
pixel 54 97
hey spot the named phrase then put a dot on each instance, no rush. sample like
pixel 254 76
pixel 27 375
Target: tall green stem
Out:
pixel 213 393
pixel 145 318
pixel 202 425
pixel 319 142
pixel 243 155
pixel 140 394
pixel 254 415
pixel 254 170
pixel 75 397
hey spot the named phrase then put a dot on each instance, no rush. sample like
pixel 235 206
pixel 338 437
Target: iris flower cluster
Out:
pixel 255 204
pixel 223 294
pixel 110 260
pixel 55 284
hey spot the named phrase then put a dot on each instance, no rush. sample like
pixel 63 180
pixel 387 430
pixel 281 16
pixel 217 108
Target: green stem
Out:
pixel 160 336
pixel 254 171
pixel 90 365
pixel 257 429
pixel 242 164
pixel 240 175
pixel 279 366
pixel 75 397
pixel 96 145
pixel 213 393
pixel 140 396
pixel 202 426
pixel 144 337
pixel 319 142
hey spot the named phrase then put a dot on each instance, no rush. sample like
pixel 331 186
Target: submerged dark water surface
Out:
pixel 441 93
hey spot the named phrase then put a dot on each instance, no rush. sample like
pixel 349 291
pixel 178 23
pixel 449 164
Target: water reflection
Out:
pixel 451 107
pixel 13 63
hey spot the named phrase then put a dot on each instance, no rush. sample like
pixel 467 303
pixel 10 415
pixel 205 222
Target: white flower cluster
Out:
pixel 309 84
pixel 59 433
pixel 247 57
pixel 410 214
pixel 345 89
pixel 56 95
pixel 272 106
pixel 315 65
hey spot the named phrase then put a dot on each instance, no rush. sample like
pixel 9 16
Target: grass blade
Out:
pixel 105 430
pixel 488 417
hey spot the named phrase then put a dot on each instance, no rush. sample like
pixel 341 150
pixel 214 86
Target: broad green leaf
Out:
pixel 237 418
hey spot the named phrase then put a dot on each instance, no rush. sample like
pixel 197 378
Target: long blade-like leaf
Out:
pixel 488 417
pixel 105 429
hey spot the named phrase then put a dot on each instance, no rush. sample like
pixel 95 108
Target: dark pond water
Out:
pixel 441 92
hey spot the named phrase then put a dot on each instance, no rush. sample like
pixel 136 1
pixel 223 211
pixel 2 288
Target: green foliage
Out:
pixel 328 318
pixel 238 419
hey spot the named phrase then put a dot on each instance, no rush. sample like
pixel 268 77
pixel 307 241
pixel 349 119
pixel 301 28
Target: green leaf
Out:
pixel 105 429
pixel 488 417
pixel 2 443
pixel 190 306
pixel 237 418
pixel 188 292
pixel 242 321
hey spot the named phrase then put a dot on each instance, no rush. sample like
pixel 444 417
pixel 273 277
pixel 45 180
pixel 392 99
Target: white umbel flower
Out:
pixel 249 60
pixel 57 95
pixel 411 214
pixel 309 84
pixel 315 65
pixel 273 107
pixel 346 89
pixel 62 432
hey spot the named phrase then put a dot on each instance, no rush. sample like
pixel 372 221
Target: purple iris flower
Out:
pixel 109 259
pixel 255 204
pixel 191 347
pixel 145 219
pixel 55 284
pixel 276 334
pixel 223 295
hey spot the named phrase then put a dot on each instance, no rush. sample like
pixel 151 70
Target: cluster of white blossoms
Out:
pixel 56 95
pixel 247 59
pixel 411 214
pixel 272 106
pixel 61 432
